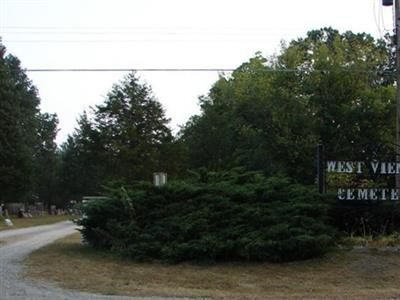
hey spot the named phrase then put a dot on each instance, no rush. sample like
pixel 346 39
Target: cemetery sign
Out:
pixel 360 167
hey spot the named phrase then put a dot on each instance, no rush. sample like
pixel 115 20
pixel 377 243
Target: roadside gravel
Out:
pixel 18 244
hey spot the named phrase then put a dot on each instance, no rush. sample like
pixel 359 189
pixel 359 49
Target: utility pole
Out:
pixel 397 41
pixel 397 57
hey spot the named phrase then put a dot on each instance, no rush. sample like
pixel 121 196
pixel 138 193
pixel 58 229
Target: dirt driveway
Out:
pixel 18 244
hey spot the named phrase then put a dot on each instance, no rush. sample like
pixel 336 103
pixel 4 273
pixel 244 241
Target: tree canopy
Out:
pixel 270 113
pixel 126 139
pixel 26 135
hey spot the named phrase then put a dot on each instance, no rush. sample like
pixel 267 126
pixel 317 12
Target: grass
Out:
pixel 380 241
pixel 35 221
pixel 340 275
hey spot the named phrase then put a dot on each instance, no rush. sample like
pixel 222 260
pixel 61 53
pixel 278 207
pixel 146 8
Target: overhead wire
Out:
pixel 144 30
pixel 132 69
pixel 191 70
pixel 124 32
pixel 140 34
pixel 148 28
pixel 125 41
pixel 58 30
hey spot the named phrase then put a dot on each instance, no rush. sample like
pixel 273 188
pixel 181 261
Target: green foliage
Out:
pixel 18 109
pixel 329 88
pixel 47 161
pixel 27 147
pixel 125 139
pixel 81 156
pixel 234 217
pixel 387 240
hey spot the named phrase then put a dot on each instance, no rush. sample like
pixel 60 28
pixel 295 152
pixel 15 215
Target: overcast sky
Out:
pixel 160 34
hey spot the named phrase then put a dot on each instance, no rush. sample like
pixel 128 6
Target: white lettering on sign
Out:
pixel 374 166
pixel 373 194
pixel 341 167
pixel 368 194
pixel 331 166
pixel 371 168
pixel 359 167
pixel 384 192
pixel 394 195
pixel 350 194
pixel 391 169
pixel 362 194
pixel 341 194
pixel 344 167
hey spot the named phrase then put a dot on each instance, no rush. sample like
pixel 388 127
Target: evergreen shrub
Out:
pixel 220 218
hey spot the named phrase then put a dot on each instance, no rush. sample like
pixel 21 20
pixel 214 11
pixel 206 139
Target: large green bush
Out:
pixel 224 218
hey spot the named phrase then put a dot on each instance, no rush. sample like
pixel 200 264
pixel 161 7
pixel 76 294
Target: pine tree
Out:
pixel 126 139
pixel 18 130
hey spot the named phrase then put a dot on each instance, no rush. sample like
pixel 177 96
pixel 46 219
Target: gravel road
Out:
pixel 21 242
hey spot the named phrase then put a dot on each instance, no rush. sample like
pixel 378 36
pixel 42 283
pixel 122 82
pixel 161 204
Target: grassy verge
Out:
pixel 392 240
pixel 35 221
pixel 341 275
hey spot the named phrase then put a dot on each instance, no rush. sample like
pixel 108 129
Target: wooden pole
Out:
pixel 320 169
pixel 397 41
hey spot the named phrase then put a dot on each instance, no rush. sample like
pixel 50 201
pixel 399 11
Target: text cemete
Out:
pixel 368 194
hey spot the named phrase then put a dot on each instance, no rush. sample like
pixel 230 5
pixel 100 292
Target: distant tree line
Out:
pixel 268 115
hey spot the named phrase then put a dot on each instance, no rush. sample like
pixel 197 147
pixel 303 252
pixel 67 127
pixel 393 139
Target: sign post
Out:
pixel 320 169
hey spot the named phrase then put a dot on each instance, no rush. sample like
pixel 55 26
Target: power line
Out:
pixel 123 32
pixel 152 33
pixel 134 70
pixel 193 70
pixel 154 38
pixel 151 28
pixel 133 41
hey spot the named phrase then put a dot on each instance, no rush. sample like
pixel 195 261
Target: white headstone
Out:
pixel 8 222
